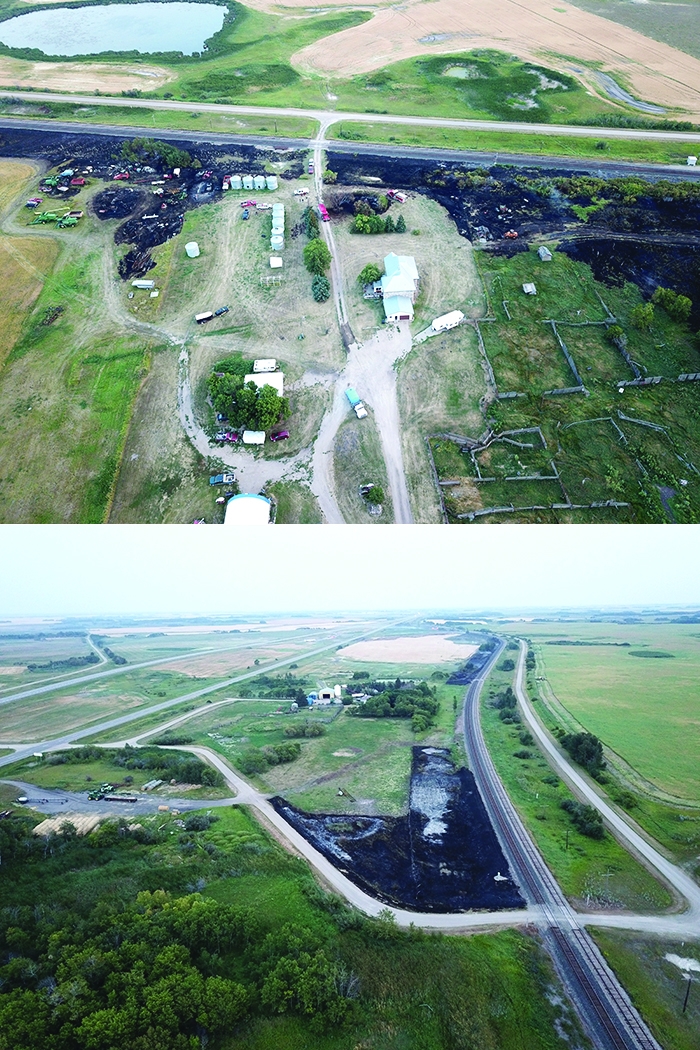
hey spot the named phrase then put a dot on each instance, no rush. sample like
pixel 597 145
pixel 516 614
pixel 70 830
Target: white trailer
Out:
pixel 265 364
pixel 447 321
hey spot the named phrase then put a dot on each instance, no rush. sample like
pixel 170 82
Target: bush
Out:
pixel 678 307
pixel 585 819
pixel 369 275
pixel 506 665
pixel 585 749
pixel 320 288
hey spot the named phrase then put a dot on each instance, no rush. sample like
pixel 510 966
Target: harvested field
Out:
pixel 24 264
pixel 213 665
pixel 81 76
pixel 534 32
pixel 424 649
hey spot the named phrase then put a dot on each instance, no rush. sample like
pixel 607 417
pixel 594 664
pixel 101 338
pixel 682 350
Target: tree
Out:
pixel 360 224
pixel 312 227
pixel 389 226
pixel 676 306
pixel 369 274
pixel 642 316
pixel 330 176
pixel 317 257
pixel 400 224
pixel 585 749
pixel 320 288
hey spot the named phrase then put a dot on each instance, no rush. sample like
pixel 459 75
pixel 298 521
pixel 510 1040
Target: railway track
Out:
pixel 604 1007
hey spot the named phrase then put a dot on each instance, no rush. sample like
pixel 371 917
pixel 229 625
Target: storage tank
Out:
pixel 278 231
pixel 277 243
pixel 271 181
pixel 259 182
pixel 247 182
pixel 236 182
pixel 192 249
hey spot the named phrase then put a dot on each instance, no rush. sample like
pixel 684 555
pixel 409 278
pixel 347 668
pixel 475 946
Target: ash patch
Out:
pixel 647 265
pixel 443 857
pixel 116 202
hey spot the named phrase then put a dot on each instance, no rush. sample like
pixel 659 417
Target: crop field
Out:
pixel 656 986
pixel 589 447
pixel 593 873
pixel 643 709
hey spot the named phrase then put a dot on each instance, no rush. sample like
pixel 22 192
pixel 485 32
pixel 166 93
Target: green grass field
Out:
pixel 593 873
pixel 657 987
pixel 643 709
pixel 594 463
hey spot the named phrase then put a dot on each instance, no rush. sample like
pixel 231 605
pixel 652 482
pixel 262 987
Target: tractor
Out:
pixel 51 180
pixel 67 220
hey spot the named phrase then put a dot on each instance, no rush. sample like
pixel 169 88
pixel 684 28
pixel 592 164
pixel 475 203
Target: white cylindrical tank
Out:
pixel 236 182
pixel 271 181
pixel 277 243
pixel 259 182
pixel 337 691
pixel 278 231
pixel 247 182
pixel 192 249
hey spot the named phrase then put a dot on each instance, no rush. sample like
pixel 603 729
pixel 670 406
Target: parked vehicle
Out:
pixel 511 235
pixel 246 214
pixel 281 435
pixel 221 479
pixel 34 202
pixel 311 167
pixel 323 212
pixel 221 310
pixel 249 204
pixel 120 176
pixel 355 403
pixel 204 317
pixel 396 195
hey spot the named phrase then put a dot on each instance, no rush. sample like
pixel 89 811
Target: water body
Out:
pixel 147 27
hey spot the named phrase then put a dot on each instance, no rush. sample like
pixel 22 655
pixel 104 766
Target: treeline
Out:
pixel 155 975
pixel 585 819
pixel 169 765
pixel 585 749
pixel 259 759
pixel 152 151
pixel 417 702
pixel 113 656
pixel 70 661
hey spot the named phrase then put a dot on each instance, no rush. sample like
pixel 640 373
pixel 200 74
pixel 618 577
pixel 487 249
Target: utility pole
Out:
pixel 687 993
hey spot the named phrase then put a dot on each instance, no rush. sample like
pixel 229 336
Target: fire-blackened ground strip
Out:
pixel 443 857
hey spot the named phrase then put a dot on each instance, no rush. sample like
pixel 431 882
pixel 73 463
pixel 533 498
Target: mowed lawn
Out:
pixel 647 710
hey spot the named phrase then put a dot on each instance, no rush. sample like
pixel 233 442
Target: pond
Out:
pixel 145 27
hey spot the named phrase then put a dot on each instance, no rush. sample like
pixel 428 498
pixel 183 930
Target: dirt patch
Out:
pixel 535 32
pixel 426 649
pixel 443 857
pixel 13 670
pixel 81 76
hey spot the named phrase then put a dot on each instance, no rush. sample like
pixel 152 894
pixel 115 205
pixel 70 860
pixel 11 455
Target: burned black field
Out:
pixel 442 857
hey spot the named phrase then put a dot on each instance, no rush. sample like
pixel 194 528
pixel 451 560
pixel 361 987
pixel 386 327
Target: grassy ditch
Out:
pixel 579 147
pixel 656 986
pixel 594 873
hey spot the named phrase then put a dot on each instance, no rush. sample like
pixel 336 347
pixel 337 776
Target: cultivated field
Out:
pixel 81 76
pixel 535 32
pixel 429 648
pixel 643 708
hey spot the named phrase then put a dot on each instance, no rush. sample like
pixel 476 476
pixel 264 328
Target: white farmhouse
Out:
pixel 399 287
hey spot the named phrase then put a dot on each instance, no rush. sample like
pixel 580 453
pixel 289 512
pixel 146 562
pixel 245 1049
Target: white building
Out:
pixel 261 379
pixel 399 286
pixel 265 364
pixel 247 509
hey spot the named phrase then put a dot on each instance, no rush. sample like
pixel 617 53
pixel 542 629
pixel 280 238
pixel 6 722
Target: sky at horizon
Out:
pixel 68 571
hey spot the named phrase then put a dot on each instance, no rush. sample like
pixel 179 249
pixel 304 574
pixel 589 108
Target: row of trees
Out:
pixel 377 224
pixel 259 759
pixel 151 151
pixel 317 258
pixel 245 405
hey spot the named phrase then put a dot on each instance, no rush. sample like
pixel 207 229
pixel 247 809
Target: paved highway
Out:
pixel 332 642
pixel 603 1005
pixel 326 118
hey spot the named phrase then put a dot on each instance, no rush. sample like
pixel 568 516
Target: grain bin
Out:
pixel 271 181
pixel 236 182
pixel 259 182
pixel 192 249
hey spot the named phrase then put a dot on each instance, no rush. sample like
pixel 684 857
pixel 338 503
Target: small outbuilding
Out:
pixel 146 285
pixel 529 288
pixel 692 161
pixel 544 253
pixel 275 262
pixel 192 250
pixel 265 364
pixel 247 509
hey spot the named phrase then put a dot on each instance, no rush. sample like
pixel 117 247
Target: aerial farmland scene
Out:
pixel 453 828
pixel 365 264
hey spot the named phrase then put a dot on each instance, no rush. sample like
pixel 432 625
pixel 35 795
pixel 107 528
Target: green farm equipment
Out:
pixel 44 216
pixel 52 180
pixel 67 220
